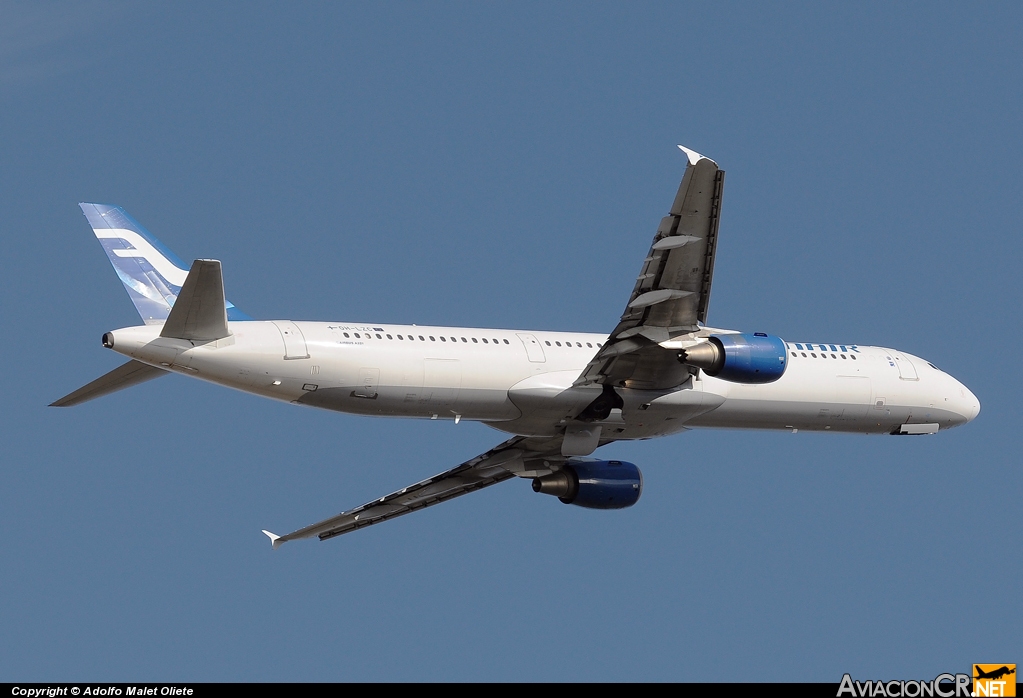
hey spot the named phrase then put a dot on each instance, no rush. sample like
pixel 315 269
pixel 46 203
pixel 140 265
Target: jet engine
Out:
pixel 594 484
pixel 739 358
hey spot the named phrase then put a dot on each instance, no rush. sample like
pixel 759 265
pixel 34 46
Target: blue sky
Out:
pixel 506 165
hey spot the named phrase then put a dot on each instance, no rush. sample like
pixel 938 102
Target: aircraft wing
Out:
pixel 672 290
pixel 522 456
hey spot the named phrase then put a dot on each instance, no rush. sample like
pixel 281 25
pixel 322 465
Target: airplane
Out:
pixel 994 674
pixel 559 395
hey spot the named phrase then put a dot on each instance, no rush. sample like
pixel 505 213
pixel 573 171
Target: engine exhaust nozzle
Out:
pixel 706 355
pixel 563 484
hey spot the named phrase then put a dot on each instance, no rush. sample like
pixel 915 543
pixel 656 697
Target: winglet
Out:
pixel 275 540
pixel 694 157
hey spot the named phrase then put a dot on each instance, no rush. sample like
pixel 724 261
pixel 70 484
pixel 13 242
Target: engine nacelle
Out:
pixel 739 358
pixel 594 484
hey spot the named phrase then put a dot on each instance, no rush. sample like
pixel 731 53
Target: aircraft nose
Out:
pixel 973 408
pixel 968 404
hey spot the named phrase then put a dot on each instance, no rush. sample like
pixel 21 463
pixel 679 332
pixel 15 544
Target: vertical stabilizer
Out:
pixel 151 273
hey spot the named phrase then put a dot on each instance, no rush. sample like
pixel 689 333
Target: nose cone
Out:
pixel 967 404
pixel 972 406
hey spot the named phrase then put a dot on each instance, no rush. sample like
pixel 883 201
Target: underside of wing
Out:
pixel 520 456
pixel 672 290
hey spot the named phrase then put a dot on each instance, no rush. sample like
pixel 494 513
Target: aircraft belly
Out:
pixel 787 415
pixel 474 404
pixel 547 399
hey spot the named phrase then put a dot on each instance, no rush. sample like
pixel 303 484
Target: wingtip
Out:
pixel 275 540
pixel 694 157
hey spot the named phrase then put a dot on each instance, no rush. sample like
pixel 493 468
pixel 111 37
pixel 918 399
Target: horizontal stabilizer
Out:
pixel 131 373
pixel 199 312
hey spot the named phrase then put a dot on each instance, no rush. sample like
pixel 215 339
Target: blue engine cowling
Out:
pixel 739 358
pixel 594 484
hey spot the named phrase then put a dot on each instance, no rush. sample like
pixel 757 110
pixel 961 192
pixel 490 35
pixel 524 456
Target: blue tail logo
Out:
pixel 151 273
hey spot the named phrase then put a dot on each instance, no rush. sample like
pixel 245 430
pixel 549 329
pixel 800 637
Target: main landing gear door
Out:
pixel 533 349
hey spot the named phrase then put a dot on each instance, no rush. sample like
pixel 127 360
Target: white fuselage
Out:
pixel 521 381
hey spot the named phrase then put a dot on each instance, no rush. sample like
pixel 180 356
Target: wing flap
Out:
pixel 517 456
pixel 672 291
pixel 681 258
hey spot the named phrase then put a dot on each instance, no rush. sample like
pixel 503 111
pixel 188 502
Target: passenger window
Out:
pixel 545 342
pixel 813 355
pixel 485 340
pixel 842 355
pixel 853 357
pixel 378 336
pixel 599 345
pixel 464 339
pixel 421 338
pixel 803 353
pixel 474 341
pixel 558 343
pixel 793 354
pixel 347 336
pixel 357 336
pixel 442 339
pixel 390 337
pixel 589 345
pixel 432 339
pixel 506 341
